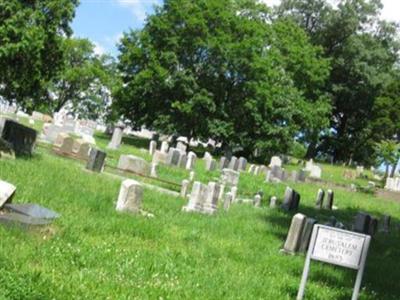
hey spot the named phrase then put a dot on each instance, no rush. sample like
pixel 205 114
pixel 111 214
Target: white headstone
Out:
pixel 130 196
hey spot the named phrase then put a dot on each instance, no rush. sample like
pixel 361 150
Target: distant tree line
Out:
pixel 306 78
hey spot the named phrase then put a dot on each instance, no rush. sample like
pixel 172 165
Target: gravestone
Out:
pixel 242 163
pixel 67 145
pixel 210 202
pixel 373 226
pixel 130 196
pixel 181 146
pixel 152 147
pixel 116 139
pixel 291 200
pixel 196 198
pixel 275 161
pixel 81 149
pixel 315 172
pixel 230 177
pixel 191 160
pixel 227 200
pixel 223 163
pixel 221 191
pixel 257 200
pixel 32 210
pixel 234 191
pixel 173 157
pixel 233 163
pixel 21 138
pixel 207 156
pixel 7 191
pixel 306 234
pixel 153 170
pixel 164 147
pixel 184 188
pixel 256 171
pixel 211 165
pixel 96 161
pixel 268 176
pixel 159 157
pixel 273 202
pixel 15 219
pixel 251 169
pixel 182 160
pixel 361 223
pixel 320 199
pixel 293 239
pixel 385 228
pixel 134 164
pixel 329 200
pixel 191 176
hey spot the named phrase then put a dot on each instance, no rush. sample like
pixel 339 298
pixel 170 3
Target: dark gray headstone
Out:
pixel 320 199
pixel 306 235
pixel 361 223
pixel 385 227
pixel 32 210
pixel 96 160
pixel 329 200
pixel 295 201
pixel 223 162
pixel 373 226
pixel 21 138
pixel 287 199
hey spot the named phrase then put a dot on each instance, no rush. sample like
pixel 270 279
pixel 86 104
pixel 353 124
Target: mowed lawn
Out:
pixel 93 252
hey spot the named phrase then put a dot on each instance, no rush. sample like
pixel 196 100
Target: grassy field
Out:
pixel 93 252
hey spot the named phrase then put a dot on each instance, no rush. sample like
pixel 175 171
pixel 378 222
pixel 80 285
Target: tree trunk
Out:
pixel 311 150
pixel 394 167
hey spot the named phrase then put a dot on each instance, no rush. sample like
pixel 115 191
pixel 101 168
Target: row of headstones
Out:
pixel 236 164
pixel 66 144
pixel 298 237
pixel 278 174
pixel 79 127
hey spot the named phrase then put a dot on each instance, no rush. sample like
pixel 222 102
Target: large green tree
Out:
pixel 362 51
pixel 31 52
pixel 218 69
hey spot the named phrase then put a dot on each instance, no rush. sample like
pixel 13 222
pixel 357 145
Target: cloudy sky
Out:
pixel 104 21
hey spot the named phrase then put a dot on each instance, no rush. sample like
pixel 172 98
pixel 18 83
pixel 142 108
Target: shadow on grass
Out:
pixel 381 271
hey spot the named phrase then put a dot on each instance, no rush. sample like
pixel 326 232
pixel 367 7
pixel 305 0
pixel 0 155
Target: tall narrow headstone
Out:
pixel 234 190
pixel 152 147
pixel 182 160
pixel 191 160
pixel 173 157
pixel 227 200
pixel 306 234
pixel 329 200
pixel 211 164
pixel 196 198
pixel 233 164
pixel 210 203
pixel 288 199
pixel 242 163
pixel 230 177
pixel 320 199
pixel 268 176
pixel 130 196
pixel 96 161
pixel 191 176
pixel 294 236
pixel 223 162
pixel 164 147
pixel 251 169
pixel 153 170
pixel 273 202
pixel 116 138
pixel 184 188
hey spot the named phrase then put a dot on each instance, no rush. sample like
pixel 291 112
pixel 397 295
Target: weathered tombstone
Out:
pixel 321 249
pixel 361 223
pixel 211 165
pixel 196 198
pixel 184 188
pixel 315 172
pixel 385 228
pixel 81 149
pixel 273 202
pixel 320 199
pixel 296 201
pixel 153 170
pixel 373 226
pixel 173 157
pixel 181 146
pixel 67 145
pixel 159 157
pixel 227 200
pixel 233 163
pixel 223 162
pixel 256 171
pixel 191 176
pixel 116 138
pixel 306 234
pixel 130 196
pixel 234 190
pixel 96 161
pixel 207 156
pixel 182 160
pixel 359 171
pixel 13 219
pixel 152 147
pixel 275 161
pixel 329 200
pixel 242 163
pixel 210 203
pixel 251 169
pixel 288 199
pixel 301 175
pixel 257 200
pixel 221 191
pixel 230 177
pixel 164 147
pixel 134 164
pixel 21 138
pixel 191 160
pixel 293 238
pixel 7 191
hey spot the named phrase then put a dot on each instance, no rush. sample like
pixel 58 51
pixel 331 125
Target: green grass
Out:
pixel 93 252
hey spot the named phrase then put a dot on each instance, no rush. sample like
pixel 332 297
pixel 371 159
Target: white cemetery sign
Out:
pixel 338 247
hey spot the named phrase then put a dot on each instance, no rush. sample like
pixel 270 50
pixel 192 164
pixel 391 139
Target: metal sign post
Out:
pixel 339 247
